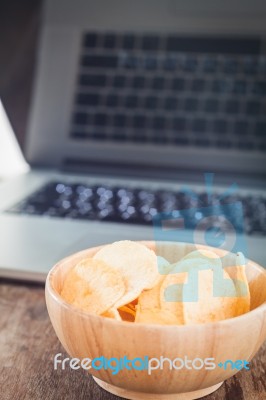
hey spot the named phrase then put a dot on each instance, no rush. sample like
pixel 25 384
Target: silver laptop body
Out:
pixel 145 95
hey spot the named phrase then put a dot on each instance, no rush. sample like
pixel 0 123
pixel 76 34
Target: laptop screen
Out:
pixel 154 95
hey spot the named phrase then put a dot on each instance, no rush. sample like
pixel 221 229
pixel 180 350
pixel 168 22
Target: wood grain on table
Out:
pixel 28 345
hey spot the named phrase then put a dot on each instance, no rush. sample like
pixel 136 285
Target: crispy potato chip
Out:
pixel 210 308
pixel 150 298
pixel 127 281
pixel 170 295
pixel 204 255
pixel 93 286
pixel 125 316
pixel 163 266
pixel 156 316
pixel 128 310
pixel 135 262
pixel 112 313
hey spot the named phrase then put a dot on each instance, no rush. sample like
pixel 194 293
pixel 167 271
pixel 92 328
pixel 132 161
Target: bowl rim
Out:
pixel 56 296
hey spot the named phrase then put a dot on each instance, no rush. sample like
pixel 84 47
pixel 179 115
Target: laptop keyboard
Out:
pixel 204 92
pixel 137 205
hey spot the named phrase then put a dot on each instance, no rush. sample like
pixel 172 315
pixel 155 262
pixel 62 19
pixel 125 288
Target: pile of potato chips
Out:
pixel 122 281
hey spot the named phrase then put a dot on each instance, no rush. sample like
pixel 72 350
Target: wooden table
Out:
pixel 28 345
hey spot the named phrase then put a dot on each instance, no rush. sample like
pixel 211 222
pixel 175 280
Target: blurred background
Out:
pixel 20 25
pixel 122 104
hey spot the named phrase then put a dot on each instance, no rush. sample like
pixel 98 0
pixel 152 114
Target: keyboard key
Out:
pixel 179 124
pixel 211 105
pixel 119 81
pixel 250 65
pixel 210 64
pixel 239 87
pixel 150 63
pixel 170 63
pixel 181 141
pixel 198 85
pixel 158 83
pixel 191 104
pixel 100 119
pixel 199 125
pixel 138 82
pixel 150 43
pixel 170 103
pixel 230 66
pixel 128 42
pixel 260 129
pixel 89 99
pixel 112 100
pixel 90 40
pixel 202 142
pixel 151 102
pixel 245 145
pixel 139 121
pixel 158 122
pixel 131 101
pixel 259 88
pixel 100 61
pixel 139 137
pixel 119 120
pixel 80 118
pixel 220 126
pixel 129 62
pixel 224 144
pixel 232 107
pixel 92 80
pixel 253 108
pixel 261 146
pixel 221 86
pixel 99 135
pixel 109 41
pixel 241 127
pixel 119 136
pixel 262 65
pixel 190 64
pixel 178 84
pixel 159 138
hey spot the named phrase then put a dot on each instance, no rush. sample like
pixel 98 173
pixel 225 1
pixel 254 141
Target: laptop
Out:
pixel 133 103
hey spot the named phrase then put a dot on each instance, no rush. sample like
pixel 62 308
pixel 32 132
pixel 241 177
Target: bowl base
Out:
pixel 130 394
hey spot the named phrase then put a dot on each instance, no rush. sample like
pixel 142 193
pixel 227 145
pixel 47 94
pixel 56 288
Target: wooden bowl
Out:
pixel 84 335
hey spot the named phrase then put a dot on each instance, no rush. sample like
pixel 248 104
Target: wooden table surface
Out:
pixel 28 345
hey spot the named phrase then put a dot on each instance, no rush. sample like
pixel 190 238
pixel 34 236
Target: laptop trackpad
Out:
pixel 35 244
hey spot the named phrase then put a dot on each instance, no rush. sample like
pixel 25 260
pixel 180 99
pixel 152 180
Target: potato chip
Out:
pixel 163 266
pixel 112 313
pixel 135 262
pixel 204 255
pixel 170 295
pixel 156 316
pixel 150 298
pixel 126 316
pixel 93 286
pixel 127 281
pixel 128 310
pixel 210 308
